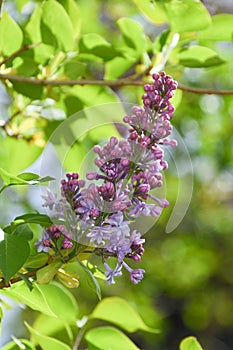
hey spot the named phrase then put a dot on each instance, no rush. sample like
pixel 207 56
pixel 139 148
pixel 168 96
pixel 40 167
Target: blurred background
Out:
pixel 188 285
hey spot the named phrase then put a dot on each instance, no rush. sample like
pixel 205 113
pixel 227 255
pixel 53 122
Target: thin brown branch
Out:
pixel 204 91
pixel 3 283
pixel 110 83
pixel 16 53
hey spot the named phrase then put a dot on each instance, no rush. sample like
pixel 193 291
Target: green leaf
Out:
pixel 20 4
pixel 91 280
pixel 130 49
pixel 96 45
pixel 11 36
pixel 118 311
pixel 14 251
pixel 10 179
pixel 36 261
pixel 186 16
pixel 60 300
pixel 42 52
pixel 34 299
pixel 133 37
pixel 74 69
pixel 117 66
pixel 56 26
pixel 49 326
pixel 152 10
pixel 11 150
pixel 23 231
pixel 45 342
pixel 199 56
pixel 105 338
pixel 47 273
pixel 33 218
pixel 28 67
pixel 28 176
pixel 73 12
pixel 190 343
pixel 26 280
pixel 220 29
pixel 21 179
pixel 18 344
pixel 94 270
pixel 51 299
pixel 29 90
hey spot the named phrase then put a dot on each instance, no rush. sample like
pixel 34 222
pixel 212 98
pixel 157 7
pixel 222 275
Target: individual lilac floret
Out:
pixel 135 275
pixel 44 244
pixel 112 273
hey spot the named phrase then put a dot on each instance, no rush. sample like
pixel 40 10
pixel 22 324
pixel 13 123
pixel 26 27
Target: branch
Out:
pixel 110 83
pixel 16 53
pixel 3 283
pixel 204 91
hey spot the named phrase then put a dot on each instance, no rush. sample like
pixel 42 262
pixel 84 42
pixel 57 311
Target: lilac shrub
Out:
pixel 97 216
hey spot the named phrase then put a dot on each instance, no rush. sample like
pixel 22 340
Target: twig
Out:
pixel 16 53
pixel 79 338
pixel 204 91
pixel 110 83
pixel 3 283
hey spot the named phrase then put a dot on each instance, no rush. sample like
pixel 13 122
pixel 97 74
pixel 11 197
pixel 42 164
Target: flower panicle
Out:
pixel 100 214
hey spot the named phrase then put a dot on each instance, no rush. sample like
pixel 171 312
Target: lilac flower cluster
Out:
pixel 99 215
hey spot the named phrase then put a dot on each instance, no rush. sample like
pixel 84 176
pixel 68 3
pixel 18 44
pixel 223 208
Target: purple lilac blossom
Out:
pixel 128 169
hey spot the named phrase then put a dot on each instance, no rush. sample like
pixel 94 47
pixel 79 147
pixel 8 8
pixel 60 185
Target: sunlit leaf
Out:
pixel 18 344
pixel 220 29
pixel 11 35
pixel 199 56
pixel 74 69
pixel 186 16
pixel 47 343
pixel 133 36
pixel 94 269
pixel 105 338
pixel 51 299
pixel 92 282
pixel 11 150
pixel 42 52
pixel 190 343
pixel 152 10
pixel 34 299
pixel 117 66
pixel 56 26
pixel 21 179
pixel 96 45
pixel 118 311
pixel 49 326
pixel 73 11
pixel 60 300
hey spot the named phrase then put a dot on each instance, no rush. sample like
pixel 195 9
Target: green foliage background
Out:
pixel 188 284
